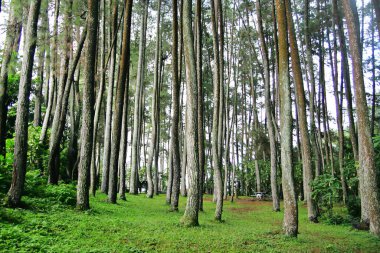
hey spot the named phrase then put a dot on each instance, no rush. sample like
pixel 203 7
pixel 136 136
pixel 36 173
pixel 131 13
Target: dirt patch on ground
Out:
pixel 245 204
pixel 242 209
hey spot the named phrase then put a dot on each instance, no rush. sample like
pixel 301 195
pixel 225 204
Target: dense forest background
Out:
pixel 185 98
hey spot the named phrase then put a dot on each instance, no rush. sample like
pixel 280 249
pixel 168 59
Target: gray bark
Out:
pixel 21 135
pixel 83 202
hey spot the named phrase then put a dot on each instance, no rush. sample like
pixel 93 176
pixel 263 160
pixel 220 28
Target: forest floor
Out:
pixel 145 225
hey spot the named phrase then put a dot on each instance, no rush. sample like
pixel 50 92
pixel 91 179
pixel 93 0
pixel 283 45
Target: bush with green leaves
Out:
pixel 325 191
pixel 6 167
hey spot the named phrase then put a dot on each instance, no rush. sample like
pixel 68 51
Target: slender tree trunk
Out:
pixel 190 217
pixel 302 116
pixel 99 98
pixel 56 135
pixel 138 93
pixel 83 202
pixel 217 90
pixel 41 66
pixel 13 30
pixel 21 135
pixel 338 108
pixel 110 87
pixel 373 63
pixel 310 71
pixel 122 87
pixel 368 180
pixel 53 66
pixel 290 200
pixel 176 86
pixel 346 77
pixel 198 47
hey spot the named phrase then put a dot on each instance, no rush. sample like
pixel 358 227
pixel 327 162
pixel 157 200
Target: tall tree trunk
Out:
pixel 338 108
pixel 13 30
pixel 368 180
pixel 41 66
pixel 302 116
pixel 190 217
pixel 83 202
pixel 216 10
pixel 56 135
pixel 138 93
pixel 373 63
pixel 155 101
pixel 346 76
pixel 111 80
pixel 310 71
pixel 99 98
pixel 174 138
pixel 290 200
pixel 122 87
pixel 21 135
pixel 198 47
pixel 53 67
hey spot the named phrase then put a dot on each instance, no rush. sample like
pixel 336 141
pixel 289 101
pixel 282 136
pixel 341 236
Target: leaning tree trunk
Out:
pixel 120 93
pixel 190 217
pixel 12 37
pixel 290 200
pixel 56 135
pixel 21 135
pixel 368 180
pixel 302 117
pixel 83 202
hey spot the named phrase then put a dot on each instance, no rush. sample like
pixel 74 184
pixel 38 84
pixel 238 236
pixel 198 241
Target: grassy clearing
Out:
pixel 145 225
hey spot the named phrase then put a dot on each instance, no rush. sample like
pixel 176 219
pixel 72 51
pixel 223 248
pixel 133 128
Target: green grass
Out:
pixel 145 225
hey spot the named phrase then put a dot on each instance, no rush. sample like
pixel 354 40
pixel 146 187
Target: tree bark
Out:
pixel 13 30
pixel 41 66
pixel 56 135
pixel 99 98
pixel 190 217
pixel 367 168
pixel 122 87
pixel 290 200
pixel 217 121
pixel 83 202
pixel 138 94
pixel 174 138
pixel 111 80
pixel 21 135
pixel 53 66
pixel 302 116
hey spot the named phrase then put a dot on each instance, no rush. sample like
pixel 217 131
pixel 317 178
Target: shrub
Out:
pixel 62 193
